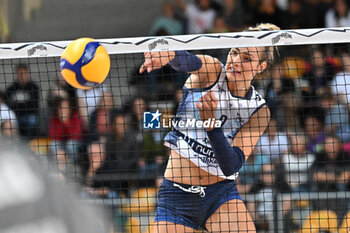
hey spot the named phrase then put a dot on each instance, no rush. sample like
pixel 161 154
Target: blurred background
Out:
pixel 95 139
pixel 46 20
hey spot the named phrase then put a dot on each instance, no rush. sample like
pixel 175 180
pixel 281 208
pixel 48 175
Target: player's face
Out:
pixel 244 63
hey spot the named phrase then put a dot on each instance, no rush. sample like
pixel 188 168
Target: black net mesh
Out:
pixel 109 141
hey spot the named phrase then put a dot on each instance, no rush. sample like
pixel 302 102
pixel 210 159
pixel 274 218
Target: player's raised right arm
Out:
pixel 204 69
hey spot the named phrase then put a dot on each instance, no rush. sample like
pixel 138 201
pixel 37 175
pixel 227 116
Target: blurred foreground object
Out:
pixel 31 200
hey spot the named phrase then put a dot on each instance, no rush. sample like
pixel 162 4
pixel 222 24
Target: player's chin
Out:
pixel 233 76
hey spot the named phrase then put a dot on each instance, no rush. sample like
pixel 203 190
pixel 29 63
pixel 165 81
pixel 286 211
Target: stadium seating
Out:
pixel 40 146
pixel 322 220
pixel 345 226
pixel 142 201
pixel 133 225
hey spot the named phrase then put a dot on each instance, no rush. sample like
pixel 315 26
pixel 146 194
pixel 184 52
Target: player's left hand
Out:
pixel 156 60
pixel 207 106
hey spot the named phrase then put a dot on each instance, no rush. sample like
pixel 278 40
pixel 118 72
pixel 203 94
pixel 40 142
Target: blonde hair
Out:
pixel 264 27
pixel 268 56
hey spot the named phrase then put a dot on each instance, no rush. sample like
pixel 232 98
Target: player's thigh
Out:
pixel 232 216
pixel 169 227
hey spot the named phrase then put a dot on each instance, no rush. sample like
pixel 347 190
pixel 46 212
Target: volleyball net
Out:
pixel 109 141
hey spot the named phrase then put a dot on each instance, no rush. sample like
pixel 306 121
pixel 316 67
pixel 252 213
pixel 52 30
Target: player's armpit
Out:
pixel 249 135
pixel 206 75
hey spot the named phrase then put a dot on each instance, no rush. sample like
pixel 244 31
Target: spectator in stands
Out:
pixel 280 96
pixel 285 101
pixel 341 82
pixel 329 166
pixel 98 164
pixel 234 15
pixel 138 106
pixel 313 123
pixel 250 171
pixel 59 90
pixel 100 118
pixel 23 98
pixel 121 146
pixel 8 119
pixel 219 26
pixel 314 11
pixel 318 77
pixel 62 90
pixel 9 128
pixel 200 16
pixel 153 151
pixel 267 11
pixel 338 15
pixel 88 101
pixel 294 16
pixel 336 117
pixel 296 164
pixel 263 207
pixel 66 168
pixel 273 142
pixel 167 24
pixel 65 129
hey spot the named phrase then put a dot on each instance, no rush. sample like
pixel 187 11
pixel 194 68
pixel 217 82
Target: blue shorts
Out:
pixel 191 206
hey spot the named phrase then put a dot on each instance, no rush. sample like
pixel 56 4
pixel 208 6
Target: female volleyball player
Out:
pixel 199 191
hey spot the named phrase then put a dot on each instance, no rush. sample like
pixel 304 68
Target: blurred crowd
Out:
pixel 219 16
pixel 306 147
pixel 86 133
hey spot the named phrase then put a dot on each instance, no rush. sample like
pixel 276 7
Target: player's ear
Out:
pixel 262 66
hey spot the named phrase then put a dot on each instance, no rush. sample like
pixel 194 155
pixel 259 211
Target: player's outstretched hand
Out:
pixel 207 106
pixel 156 60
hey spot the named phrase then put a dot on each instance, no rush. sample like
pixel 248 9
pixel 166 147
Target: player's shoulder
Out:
pixel 216 71
pixel 207 76
pixel 261 116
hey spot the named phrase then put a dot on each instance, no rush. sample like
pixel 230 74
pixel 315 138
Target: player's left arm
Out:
pixel 249 135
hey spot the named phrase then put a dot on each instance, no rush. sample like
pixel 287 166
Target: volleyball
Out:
pixel 85 63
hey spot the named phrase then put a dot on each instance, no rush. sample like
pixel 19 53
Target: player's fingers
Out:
pixel 207 96
pixel 213 98
pixel 201 100
pixel 147 55
pixel 147 65
pixel 212 93
pixel 142 69
pixel 149 68
pixel 209 100
pixel 199 106
pixel 206 105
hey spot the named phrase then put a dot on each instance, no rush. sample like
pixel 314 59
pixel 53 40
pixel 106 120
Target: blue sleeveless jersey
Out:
pixel 191 141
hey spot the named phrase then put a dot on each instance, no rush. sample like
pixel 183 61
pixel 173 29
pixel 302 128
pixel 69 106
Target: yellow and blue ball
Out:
pixel 85 63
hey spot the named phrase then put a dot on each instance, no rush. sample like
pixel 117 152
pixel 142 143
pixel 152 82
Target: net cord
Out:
pixel 186 42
